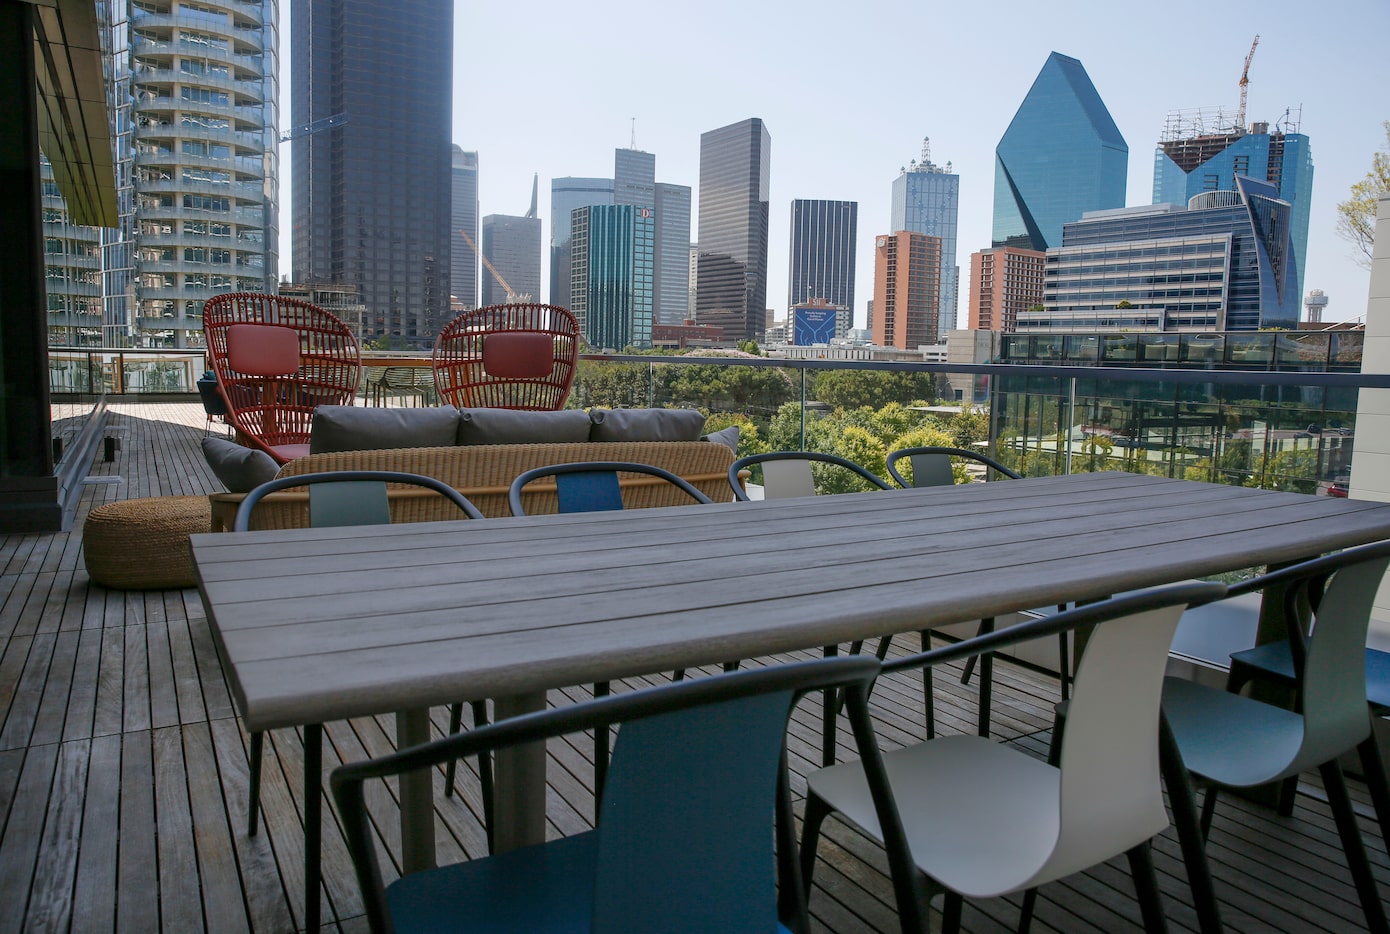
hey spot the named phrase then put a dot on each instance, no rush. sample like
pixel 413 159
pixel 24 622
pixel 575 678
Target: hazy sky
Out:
pixel 849 90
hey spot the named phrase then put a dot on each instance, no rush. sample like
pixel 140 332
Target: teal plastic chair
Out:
pixel 1227 740
pixel 985 819
pixel 695 832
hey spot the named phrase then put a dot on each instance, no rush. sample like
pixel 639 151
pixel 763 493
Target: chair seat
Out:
pixel 1276 658
pixel 994 811
pixel 289 452
pixel 1245 741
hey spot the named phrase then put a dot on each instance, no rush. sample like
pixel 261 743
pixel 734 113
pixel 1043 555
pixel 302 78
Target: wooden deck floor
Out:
pixel 123 770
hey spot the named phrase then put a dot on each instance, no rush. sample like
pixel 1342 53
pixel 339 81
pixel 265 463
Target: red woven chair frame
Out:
pixel 273 411
pixel 458 358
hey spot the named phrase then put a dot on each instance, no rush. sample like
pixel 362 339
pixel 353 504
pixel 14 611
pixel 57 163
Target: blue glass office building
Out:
pixel 566 194
pixel 1224 263
pixel 926 199
pixel 1061 156
pixel 822 257
pixel 1188 164
pixel 612 257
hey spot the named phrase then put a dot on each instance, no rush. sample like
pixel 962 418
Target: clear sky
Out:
pixel 849 90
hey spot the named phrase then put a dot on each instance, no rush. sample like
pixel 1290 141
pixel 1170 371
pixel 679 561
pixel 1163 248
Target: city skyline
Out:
pixel 840 137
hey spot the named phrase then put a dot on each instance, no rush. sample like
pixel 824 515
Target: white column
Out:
pixel 1370 475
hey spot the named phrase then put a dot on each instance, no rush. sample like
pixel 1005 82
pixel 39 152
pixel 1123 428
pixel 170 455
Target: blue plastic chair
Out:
pixel 695 833
pixel 1226 740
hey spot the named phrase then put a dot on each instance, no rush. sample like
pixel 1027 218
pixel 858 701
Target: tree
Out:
pixel 1356 216
pixel 850 389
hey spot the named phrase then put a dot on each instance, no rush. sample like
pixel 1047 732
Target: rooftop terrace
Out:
pixel 123 769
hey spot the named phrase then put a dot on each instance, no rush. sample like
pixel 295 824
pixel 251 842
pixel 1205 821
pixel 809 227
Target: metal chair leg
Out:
pixel 455 726
pixel 1182 799
pixel 253 797
pixel 313 820
pixel 1141 866
pixel 1336 787
pixel 601 689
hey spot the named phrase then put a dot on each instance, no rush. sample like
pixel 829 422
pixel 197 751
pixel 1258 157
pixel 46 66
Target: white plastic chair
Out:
pixel 984 819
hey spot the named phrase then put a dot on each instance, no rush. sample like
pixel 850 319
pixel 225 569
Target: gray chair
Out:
pixel 348 498
pixel 932 466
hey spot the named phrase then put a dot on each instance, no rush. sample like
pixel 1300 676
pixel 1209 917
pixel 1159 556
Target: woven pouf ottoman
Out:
pixel 142 544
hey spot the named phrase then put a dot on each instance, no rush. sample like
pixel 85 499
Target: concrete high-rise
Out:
pixel 566 194
pixel 926 199
pixel 612 253
pixel 463 260
pixel 1004 281
pixel 671 289
pixel 634 177
pixel 1199 153
pixel 823 235
pixel 513 246
pixel 731 291
pixel 907 274
pixel 1061 156
pixel 372 199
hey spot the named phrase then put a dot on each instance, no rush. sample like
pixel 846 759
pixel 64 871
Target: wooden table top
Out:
pixel 324 624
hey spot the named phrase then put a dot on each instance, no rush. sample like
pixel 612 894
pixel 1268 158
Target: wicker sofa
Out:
pixel 484 472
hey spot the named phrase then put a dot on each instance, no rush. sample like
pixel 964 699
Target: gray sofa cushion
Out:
pixel 646 424
pixel 239 469
pixel 363 428
pixel 725 436
pixel 513 426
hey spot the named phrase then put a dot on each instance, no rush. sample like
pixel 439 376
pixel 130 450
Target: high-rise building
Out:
pixel 926 199
pixel 612 252
pixel 671 291
pixel 566 194
pixel 463 259
pixel 1199 152
pixel 371 99
pixel 634 177
pixel 907 275
pixel 1004 281
pixel 193 95
pixel 513 246
pixel 1061 156
pixel 822 257
pixel 1222 263
pixel 731 291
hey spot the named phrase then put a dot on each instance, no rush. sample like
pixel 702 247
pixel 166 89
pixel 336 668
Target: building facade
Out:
pixel 907 275
pixel 1225 263
pixel 1189 161
pixel 1004 282
pixel 821 270
pixel 612 274
pixel 72 274
pixel 634 177
pixel 371 100
pixel 1061 156
pixel 926 199
pixel 566 194
pixel 735 168
pixel 463 258
pixel 671 292
pixel 513 246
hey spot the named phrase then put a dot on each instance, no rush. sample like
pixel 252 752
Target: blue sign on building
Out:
pixel 812 326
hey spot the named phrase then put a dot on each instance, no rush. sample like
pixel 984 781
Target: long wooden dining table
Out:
pixel 315 625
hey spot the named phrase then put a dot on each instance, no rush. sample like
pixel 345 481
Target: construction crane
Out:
pixel 313 127
pixel 511 296
pixel 1244 84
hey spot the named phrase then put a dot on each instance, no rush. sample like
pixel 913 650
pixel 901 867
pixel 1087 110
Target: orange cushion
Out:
pixel 263 350
pixel 521 355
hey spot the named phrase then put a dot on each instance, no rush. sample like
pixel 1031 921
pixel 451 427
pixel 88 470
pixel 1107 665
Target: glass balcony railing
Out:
pixel 1288 429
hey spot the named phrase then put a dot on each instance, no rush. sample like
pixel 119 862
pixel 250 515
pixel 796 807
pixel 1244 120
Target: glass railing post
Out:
pixel 803 408
pixel 1071 420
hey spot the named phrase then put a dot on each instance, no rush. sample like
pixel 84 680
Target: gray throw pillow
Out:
pixel 646 424
pixel 725 436
pixel 240 469
pixel 515 426
pixel 364 428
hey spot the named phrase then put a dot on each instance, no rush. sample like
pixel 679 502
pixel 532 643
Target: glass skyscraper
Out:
pixel 566 194
pixel 1189 162
pixel 372 200
pixel 612 252
pixel 671 291
pixel 463 260
pixel 822 257
pixel 731 287
pixel 1061 156
pixel 926 199
pixel 513 246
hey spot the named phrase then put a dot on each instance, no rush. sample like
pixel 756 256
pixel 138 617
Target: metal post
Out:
pixel 803 408
pixel 1071 419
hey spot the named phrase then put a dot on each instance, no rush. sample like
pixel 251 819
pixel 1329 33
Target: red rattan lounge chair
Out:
pixel 507 357
pixel 276 359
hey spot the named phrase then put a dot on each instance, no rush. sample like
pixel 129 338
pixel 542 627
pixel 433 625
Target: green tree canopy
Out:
pixel 849 389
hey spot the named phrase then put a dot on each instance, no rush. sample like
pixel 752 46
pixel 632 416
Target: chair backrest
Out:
pixel 686 824
pixel 518 356
pixel 789 473
pixel 593 486
pixel 348 497
pixel 931 466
